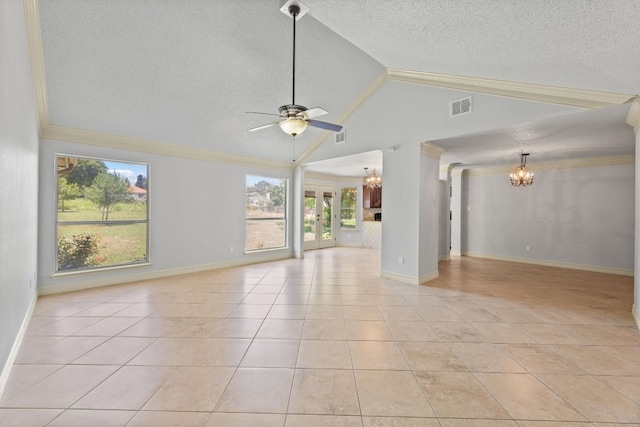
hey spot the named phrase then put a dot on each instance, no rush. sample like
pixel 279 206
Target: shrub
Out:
pixel 77 251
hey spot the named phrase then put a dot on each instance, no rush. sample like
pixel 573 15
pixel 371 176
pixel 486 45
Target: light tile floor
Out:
pixel 325 342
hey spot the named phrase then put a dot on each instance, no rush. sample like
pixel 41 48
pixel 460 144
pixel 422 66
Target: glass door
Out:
pixel 319 217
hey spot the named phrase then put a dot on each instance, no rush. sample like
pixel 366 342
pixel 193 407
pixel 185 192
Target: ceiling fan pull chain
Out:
pixel 294 149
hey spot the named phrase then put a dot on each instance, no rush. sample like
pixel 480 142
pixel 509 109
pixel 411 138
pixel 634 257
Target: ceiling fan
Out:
pixel 294 118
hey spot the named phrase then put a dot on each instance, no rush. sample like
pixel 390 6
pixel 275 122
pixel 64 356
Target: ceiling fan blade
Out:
pixel 266 114
pixel 263 127
pixel 313 112
pixel 324 125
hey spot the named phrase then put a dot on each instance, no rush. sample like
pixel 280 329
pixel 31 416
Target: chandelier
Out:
pixel 373 179
pixel 521 175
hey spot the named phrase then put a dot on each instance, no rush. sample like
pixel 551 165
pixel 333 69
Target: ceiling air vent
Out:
pixel 460 106
pixel 340 137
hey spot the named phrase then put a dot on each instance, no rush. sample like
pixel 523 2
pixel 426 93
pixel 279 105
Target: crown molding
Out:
pixel 81 136
pixel 459 172
pixel 431 150
pixel 633 118
pixel 537 167
pixel 581 98
pixel 355 106
pixel 36 57
pixel 446 169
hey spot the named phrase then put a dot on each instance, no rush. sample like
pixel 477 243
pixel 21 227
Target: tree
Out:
pixel 278 194
pixel 349 196
pixel 107 190
pixel 85 172
pixel 66 191
pixel 274 192
pixel 141 182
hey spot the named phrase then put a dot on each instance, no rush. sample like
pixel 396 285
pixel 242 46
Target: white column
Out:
pixel 400 193
pixel 429 212
pixel 633 119
pixel 297 199
pixel 411 213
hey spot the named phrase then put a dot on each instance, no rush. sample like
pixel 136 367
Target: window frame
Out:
pixel 285 212
pixel 58 223
pixel 355 209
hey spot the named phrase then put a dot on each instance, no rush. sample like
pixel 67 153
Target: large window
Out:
pixel 348 207
pixel 266 215
pixel 102 214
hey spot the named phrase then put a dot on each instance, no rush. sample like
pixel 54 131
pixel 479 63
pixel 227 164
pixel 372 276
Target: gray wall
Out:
pixel 196 214
pixel 18 179
pixel 400 212
pixel 580 216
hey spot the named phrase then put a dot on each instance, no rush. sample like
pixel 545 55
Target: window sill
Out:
pixel 60 274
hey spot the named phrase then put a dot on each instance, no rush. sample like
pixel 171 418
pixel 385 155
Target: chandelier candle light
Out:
pixel 373 179
pixel 521 175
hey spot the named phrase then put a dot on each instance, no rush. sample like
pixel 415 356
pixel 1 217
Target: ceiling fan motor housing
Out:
pixel 291 110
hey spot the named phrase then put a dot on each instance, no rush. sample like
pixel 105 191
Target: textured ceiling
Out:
pixel 187 72
pixel 587 44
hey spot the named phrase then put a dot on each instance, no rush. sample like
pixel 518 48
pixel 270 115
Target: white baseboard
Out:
pixel 13 354
pixel 349 245
pixel 551 263
pixel 636 315
pixel 107 281
pixel 412 280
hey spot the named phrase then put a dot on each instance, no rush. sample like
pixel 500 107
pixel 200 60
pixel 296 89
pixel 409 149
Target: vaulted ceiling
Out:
pixel 549 77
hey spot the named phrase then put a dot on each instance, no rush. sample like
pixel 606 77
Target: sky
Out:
pixel 252 179
pixel 127 170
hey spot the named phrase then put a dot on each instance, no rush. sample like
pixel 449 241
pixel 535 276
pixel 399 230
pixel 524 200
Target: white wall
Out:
pixel 18 181
pixel 636 278
pixel 581 217
pixel 196 214
pixel 400 212
pixel 404 112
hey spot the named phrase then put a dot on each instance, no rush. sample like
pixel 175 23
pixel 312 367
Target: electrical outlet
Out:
pixel 401 260
pixel 528 248
pixel 231 249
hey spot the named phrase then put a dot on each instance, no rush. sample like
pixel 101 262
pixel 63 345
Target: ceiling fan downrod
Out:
pixel 294 11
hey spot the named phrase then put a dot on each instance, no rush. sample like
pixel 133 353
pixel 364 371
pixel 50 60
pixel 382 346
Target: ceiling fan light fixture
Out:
pixel 293 126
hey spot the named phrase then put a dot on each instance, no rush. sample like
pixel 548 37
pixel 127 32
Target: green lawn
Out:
pixel 84 210
pixel 118 244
